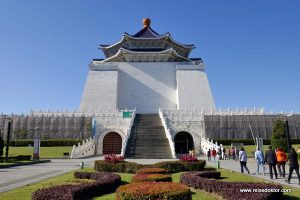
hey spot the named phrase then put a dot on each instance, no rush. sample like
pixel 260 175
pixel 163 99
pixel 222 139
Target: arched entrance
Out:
pixel 112 143
pixel 183 142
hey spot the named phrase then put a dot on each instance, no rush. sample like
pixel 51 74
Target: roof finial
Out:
pixel 146 22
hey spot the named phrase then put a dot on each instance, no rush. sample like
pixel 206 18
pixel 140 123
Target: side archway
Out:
pixel 183 142
pixel 112 143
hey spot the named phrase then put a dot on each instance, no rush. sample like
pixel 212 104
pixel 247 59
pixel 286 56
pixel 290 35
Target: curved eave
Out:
pixel 123 52
pixel 127 37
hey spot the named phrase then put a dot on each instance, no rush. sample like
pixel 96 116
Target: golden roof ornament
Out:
pixel 146 22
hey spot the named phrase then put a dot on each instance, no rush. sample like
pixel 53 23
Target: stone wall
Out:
pixel 237 126
pixel 48 127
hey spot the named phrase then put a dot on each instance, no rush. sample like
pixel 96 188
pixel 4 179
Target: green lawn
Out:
pixel 24 193
pixel 45 152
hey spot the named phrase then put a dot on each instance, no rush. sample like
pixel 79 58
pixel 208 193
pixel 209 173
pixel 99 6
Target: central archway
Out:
pixel 183 142
pixel 112 143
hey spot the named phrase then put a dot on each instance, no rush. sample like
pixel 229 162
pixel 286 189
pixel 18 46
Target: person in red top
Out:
pixel 281 160
pixel 214 153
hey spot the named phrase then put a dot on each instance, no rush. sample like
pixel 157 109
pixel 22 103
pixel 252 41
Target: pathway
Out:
pixel 251 164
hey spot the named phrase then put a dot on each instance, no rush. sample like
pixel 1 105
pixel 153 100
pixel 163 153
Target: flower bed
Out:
pixel 113 158
pixel 232 190
pixel 104 183
pixel 154 191
pixel 154 170
pixel 188 158
pixel 151 178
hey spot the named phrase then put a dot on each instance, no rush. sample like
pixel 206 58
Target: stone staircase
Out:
pixel 148 138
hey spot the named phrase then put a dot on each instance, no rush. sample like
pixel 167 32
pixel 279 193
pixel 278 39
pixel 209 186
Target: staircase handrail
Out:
pixel 128 133
pixel 168 133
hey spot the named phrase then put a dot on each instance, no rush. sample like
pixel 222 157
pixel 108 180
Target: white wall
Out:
pixel 146 86
pixel 100 91
pixel 193 89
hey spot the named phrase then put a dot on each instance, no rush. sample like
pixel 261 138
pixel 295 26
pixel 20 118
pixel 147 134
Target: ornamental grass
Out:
pixel 154 191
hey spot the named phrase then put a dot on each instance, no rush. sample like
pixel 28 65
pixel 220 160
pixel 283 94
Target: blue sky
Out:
pixel 251 48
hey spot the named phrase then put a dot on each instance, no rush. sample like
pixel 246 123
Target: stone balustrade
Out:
pixel 207 144
pixel 86 149
pixel 168 133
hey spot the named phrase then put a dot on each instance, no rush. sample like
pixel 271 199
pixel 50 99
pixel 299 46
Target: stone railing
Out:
pixel 168 133
pixel 207 144
pixel 220 111
pixel 86 149
pixel 102 113
pixel 128 132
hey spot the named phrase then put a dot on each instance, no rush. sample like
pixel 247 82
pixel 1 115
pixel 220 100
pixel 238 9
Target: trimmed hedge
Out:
pixel 154 170
pixel 178 166
pixel 104 183
pixel 46 143
pixel 154 191
pixel 131 167
pixel 151 178
pixel 122 167
pixel 17 158
pixel 232 190
pixel 206 174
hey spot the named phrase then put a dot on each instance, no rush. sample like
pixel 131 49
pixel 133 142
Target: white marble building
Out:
pixel 146 71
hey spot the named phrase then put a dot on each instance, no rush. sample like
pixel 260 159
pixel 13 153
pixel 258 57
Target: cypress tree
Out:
pixel 279 137
pixel 1 146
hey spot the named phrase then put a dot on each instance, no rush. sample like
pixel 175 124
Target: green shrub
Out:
pixel 122 167
pixel 178 166
pixel 130 167
pixel 17 158
pixel 151 178
pixel 153 170
pixel 154 191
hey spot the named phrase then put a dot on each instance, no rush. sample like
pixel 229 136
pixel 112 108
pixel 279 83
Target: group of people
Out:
pixel 272 158
pixel 225 154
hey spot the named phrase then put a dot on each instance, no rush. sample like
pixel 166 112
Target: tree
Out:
pixel 1 146
pixel 279 137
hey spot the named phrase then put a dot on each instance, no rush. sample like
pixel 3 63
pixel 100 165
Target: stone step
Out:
pixel 148 138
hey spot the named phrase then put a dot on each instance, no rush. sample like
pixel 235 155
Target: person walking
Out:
pixel 208 155
pixel 214 153
pixel 270 159
pixel 227 154
pixel 259 157
pixel 294 165
pixel 237 151
pixel 281 160
pixel 224 153
pixel 243 160
pixel 233 153
pixel 220 153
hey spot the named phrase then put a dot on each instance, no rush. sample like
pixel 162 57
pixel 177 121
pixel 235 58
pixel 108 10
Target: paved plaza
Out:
pixel 15 177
